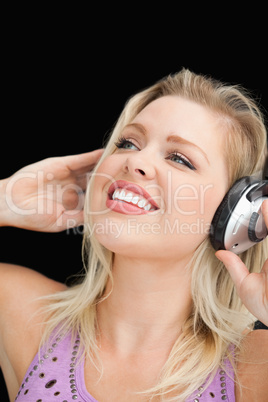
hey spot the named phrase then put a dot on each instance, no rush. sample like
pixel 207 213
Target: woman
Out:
pixel 156 315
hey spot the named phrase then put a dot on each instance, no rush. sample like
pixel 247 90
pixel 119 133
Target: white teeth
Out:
pixel 116 194
pixel 128 197
pixel 141 203
pixel 120 194
pixel 135 199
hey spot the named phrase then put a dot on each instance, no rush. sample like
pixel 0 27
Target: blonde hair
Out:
pixel 218 317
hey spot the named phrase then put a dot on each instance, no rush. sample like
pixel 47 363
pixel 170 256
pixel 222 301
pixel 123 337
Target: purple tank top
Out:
pixel 54 377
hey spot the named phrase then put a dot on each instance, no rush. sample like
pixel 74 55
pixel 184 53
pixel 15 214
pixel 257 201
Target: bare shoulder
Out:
pixel 253 367
pixel 20 288
pixel 23 284
pixel 255 345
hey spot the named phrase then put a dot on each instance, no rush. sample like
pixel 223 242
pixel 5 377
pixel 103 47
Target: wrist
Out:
pixel 4 210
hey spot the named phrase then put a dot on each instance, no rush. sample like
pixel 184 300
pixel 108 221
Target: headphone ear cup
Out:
pixel 217 216
pixel 224 212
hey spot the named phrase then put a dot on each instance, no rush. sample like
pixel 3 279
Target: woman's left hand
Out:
pixel 252 288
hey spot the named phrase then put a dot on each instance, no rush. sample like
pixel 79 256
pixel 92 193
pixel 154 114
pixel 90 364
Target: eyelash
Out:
pixel 121 142
pixel 182 159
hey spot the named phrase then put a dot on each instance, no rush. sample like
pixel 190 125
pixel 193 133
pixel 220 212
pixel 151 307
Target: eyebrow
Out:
pixel 171 138
pixel 139 127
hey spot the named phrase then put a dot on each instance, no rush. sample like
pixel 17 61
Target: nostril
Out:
pixel 140 171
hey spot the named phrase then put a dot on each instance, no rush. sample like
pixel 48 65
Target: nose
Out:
pixel 139 165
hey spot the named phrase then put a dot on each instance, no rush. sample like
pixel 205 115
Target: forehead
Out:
pixel 175 112
pixel 174 115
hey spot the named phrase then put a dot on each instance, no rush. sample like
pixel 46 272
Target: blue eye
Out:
pixel 177 158
pixel 125 144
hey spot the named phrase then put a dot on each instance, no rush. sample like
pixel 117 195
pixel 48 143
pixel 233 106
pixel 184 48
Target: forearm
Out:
pixel 10 213
pixel 46 195
pixel 4 210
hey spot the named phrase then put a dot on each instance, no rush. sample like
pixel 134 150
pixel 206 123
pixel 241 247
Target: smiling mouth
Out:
pixel 120 194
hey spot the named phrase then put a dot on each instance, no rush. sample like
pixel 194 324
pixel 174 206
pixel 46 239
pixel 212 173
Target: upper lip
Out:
pixel 135 188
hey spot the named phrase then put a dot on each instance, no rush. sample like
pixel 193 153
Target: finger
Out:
pixel 82 181
pixel 83 161
pixel 264 209
pixel 236 268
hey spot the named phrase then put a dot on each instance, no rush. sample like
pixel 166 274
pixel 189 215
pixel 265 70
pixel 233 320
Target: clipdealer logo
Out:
pixel 185 199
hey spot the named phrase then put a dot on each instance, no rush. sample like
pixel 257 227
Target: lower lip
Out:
pixel 124 207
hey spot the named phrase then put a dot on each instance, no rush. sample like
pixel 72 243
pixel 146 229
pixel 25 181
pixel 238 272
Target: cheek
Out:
pixel 102 182
pixel 212 200
pixel 192 201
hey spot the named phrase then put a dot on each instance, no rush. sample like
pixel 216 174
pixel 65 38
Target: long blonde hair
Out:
pixel 218 317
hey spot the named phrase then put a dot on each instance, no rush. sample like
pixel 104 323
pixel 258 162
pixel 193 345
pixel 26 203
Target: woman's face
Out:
pixel 156 195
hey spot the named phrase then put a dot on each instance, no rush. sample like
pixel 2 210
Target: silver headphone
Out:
pixel 238 223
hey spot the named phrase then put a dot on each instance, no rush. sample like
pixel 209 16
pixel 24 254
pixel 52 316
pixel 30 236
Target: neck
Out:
pixel 148 303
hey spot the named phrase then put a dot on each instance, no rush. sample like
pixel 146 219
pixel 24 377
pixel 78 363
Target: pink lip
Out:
pixel 128 208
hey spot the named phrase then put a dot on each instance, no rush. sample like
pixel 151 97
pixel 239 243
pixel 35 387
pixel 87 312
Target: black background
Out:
pixel 64 82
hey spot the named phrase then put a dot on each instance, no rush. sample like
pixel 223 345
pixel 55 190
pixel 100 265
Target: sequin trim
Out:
pixel 25 388
pixel 224 397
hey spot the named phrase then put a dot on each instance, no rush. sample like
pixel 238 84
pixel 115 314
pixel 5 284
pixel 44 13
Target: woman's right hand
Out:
pixel 48 195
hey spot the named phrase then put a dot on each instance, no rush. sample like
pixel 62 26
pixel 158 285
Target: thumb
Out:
pixel 236 268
